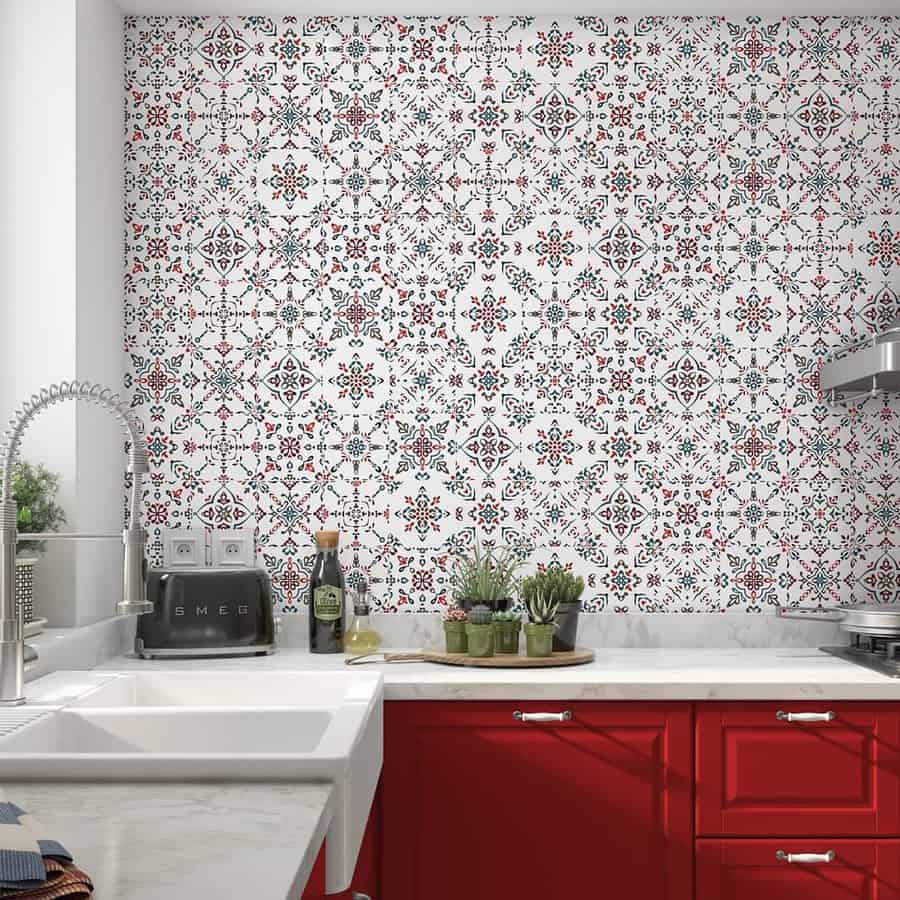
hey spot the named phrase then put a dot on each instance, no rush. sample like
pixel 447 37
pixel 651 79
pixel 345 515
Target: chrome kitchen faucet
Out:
pixel 134 601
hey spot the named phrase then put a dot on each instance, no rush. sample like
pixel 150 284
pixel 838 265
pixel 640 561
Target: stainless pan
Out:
pixel 863 618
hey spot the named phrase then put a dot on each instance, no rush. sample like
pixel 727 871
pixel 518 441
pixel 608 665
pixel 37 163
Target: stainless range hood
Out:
pixel 866 367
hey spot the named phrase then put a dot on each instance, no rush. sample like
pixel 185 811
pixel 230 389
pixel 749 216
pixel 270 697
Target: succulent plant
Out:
pixel 561 585
pixel 485 577
pixel 480 615
pixel 455 614
pixel 540 603
pixel 505 615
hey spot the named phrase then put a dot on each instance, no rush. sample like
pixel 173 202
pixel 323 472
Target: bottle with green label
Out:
pixel 326 596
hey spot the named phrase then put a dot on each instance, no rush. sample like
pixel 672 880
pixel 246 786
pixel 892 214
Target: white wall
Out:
pixel 37 247
pixel 60 269
pixel 99 315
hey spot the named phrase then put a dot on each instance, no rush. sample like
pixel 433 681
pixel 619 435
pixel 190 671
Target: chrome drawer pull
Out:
pixel 808 859
pixel 563 716
pixel 804 717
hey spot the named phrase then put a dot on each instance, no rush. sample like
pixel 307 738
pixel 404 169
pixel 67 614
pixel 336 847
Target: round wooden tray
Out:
pixel 512 661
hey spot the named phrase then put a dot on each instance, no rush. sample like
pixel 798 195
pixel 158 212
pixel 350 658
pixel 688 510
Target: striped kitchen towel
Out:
pixel 63 881
pixel 22 849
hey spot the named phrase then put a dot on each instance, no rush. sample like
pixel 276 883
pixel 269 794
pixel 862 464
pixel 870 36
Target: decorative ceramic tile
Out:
pixel 560 284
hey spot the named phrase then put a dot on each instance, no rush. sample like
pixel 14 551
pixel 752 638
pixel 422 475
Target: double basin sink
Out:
pixel 213 726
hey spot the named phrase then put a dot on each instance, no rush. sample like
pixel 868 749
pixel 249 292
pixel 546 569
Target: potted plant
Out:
pixel 567 589
pixel 485 578
pixel 480 631
pixel 507 626
pixel 455 630
pixel 34 488
pixel 541 606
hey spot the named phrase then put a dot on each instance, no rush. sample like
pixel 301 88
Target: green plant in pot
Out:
pixel 507 626
pixel 485 578
pixel 455 620
pixel 34 488
pixel 480 631
pixel 541 606
pixel 567 590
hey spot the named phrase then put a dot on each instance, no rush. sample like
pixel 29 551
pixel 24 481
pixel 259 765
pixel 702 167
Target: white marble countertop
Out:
pixel 185 841
pixel 615 674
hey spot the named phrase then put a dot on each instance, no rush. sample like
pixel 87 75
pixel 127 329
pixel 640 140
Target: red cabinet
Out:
pixel 366 877
pixel 479 804
pixel 761 773
pixel 315 884
pixel 748 869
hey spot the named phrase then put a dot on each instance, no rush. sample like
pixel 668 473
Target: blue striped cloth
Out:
pixel 22 852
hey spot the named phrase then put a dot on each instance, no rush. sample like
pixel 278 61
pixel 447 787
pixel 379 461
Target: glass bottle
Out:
pixel 361 637
pixel 326 596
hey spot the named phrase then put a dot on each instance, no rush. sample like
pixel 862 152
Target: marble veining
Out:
pixel 711 630
pixel 616 674
pixel 197 841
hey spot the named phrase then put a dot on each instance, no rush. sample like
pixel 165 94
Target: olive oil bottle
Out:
pixel 326 596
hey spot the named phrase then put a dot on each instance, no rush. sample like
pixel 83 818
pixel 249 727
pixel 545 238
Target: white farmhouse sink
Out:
pixel 90 741
pixel 216 726
pixel 227 689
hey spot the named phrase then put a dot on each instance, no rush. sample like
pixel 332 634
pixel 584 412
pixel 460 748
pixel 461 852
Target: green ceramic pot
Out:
pixel 506 637
pixel 539 639
pixel 481 639
pixel 455 633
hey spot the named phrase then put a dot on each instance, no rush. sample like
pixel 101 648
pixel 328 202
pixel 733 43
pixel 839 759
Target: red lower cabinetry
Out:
pixel 748 869
pixel 482 806
pixel 315 884
pixel 367 877
pixel 644 801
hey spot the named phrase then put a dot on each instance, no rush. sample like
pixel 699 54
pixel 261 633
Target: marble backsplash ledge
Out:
pixel 639 630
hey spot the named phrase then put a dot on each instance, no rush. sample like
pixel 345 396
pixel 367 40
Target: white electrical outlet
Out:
pixel 233 548
pixel 184 548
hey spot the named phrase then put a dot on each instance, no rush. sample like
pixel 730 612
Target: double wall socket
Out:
pixel 191 548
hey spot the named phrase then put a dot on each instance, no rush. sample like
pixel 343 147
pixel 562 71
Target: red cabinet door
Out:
pixel 760 774
pixel 478 804
pixel 749 869
pixel 315 884
pixel 366 875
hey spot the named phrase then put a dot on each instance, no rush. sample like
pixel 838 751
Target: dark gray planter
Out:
pixel 566 633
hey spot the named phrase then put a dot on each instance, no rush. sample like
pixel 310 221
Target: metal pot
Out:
pixel 863 618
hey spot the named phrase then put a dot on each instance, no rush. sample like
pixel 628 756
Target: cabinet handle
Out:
pixel 808 859
pixel 804 717
pixel 357 896
pixel 563 716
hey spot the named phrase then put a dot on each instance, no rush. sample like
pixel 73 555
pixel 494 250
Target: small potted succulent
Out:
pixel 507 626
pixel 480 631
pixel 485 578
pixel 541 606
pixel 455 630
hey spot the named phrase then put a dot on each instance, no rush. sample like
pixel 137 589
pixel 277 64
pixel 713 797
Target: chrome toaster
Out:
pixel 207 612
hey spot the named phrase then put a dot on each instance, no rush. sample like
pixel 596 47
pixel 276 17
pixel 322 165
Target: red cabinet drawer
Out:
pixel 760 775
pixel 749 869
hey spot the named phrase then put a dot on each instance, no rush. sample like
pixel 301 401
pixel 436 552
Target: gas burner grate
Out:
pixel 881 653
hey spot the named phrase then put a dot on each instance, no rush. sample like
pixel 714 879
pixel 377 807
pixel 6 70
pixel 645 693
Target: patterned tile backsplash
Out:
pixel 563 284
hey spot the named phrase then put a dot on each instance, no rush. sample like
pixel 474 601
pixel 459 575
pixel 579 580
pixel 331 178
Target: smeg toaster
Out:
pixel 207 612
